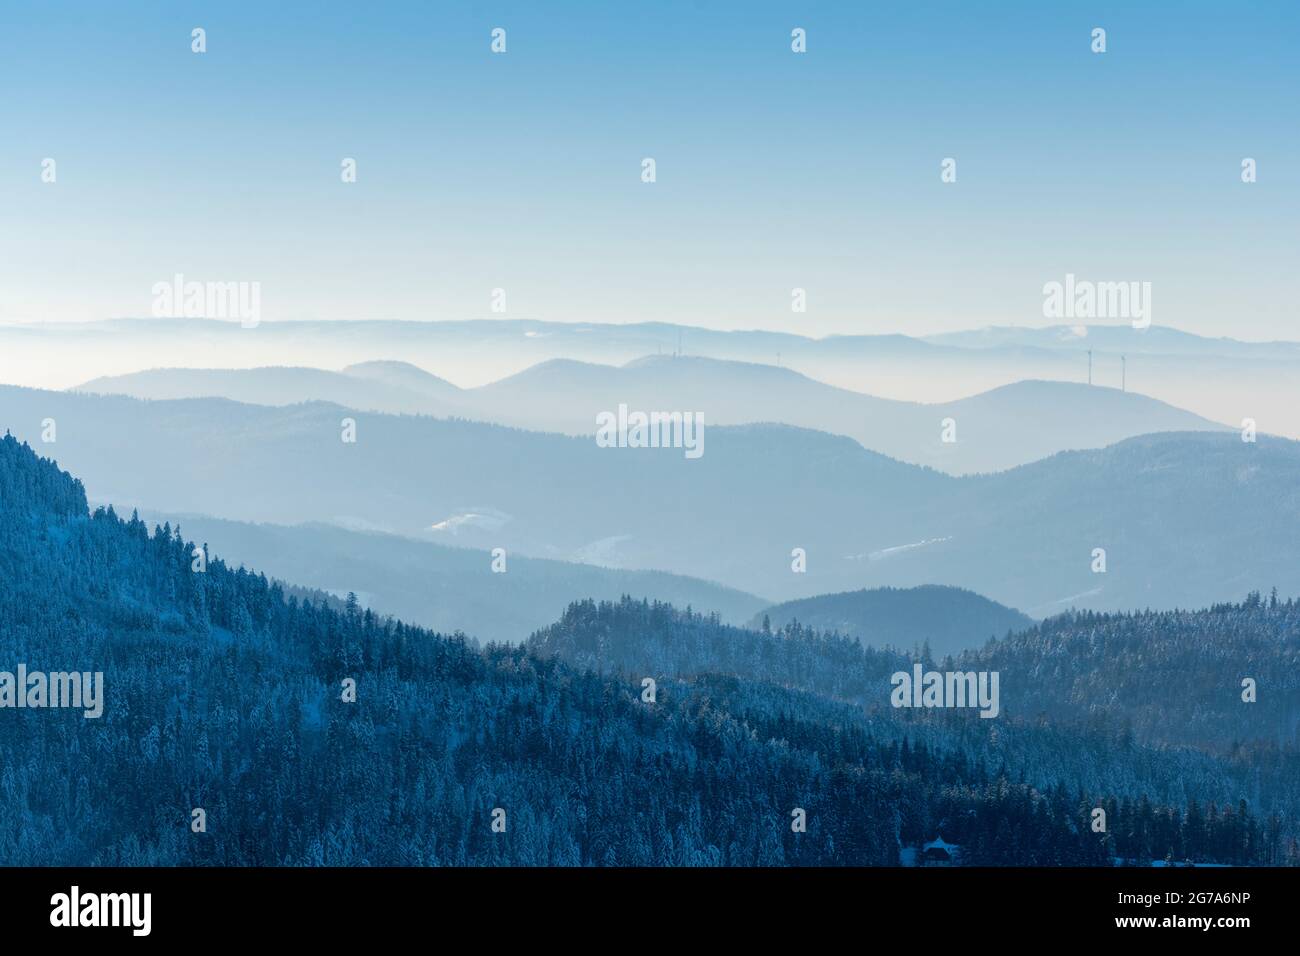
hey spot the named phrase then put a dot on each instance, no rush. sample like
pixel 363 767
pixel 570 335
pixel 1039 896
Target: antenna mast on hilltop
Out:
pixel 1089 366
pixel 1123 373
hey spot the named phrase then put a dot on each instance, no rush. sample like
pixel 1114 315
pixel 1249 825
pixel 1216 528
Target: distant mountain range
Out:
pixel 1008 426
pixel 1185 518
pixel 948 620
pixel 1221 380
pixel 393 387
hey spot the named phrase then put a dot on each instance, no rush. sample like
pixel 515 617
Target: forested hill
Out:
pixel 1175 676
pixel 37 487
pixel 950 620
pixel 1087 700
pixel 656 639
pixel 224 693
pixel 1169 677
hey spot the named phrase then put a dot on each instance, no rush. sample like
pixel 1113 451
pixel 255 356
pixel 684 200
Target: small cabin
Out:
pixel 939 853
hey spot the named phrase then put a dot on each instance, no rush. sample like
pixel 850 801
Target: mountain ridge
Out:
pixel 1023 537
pixel 946 619
pixel 996 429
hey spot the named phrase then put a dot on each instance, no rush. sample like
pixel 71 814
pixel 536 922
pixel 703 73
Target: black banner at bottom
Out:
pixel 208 906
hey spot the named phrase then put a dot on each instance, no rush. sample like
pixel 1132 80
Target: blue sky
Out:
pixel 775 170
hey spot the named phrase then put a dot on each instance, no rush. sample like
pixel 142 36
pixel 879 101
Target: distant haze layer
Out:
pixel 1221 380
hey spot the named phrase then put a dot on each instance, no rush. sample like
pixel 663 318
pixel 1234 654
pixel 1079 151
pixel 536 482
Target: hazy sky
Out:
pixel 775 170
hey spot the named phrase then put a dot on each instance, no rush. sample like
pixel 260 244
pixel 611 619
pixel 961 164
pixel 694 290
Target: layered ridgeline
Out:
pixel 1009 426
pixel 1185 519
pixel 1220 379
pixel 224 694
pixel 948 620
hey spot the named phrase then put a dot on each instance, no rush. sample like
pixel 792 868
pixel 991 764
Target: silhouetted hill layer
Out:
pixel 1220 379
pixel 1008 426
